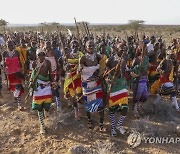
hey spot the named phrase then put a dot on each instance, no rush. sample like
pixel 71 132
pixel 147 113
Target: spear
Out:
pixel 78 34
pixel 85 29
pixel 140 68
pixel 7 81
pixel 66 60
pixel 114 75
pixel 33 82
pixel 129 55
pixel 176 68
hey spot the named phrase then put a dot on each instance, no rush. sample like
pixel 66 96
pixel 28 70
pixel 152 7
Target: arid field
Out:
pixel 19 130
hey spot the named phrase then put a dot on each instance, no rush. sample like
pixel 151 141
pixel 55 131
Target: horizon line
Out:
pixel 92 24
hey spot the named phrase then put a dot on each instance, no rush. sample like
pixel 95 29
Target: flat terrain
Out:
pixel 19 131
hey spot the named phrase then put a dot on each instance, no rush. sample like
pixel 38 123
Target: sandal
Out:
pixel 113 133
pixel 80 112
pixel 136 114
pixel 136 111
pixel 121 130
pixel 42 131
pixel 102 128
pixel 77 117
pixel 20 108
pixel 90 126
pixel 140 109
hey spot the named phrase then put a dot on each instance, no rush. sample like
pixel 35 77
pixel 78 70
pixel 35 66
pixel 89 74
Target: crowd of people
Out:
pixel 96 72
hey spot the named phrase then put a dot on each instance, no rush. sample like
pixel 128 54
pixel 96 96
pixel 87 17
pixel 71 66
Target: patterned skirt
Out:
pixel 42 98
pixel 168 89
pixel 15 83
pixel 118 98
pixel 140 93
pixel 93 95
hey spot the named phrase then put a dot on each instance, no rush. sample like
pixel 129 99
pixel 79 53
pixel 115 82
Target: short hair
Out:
pixel 88 42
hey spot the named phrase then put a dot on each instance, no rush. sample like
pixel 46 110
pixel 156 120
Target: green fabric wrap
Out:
pixel 118 84
pixel 40 77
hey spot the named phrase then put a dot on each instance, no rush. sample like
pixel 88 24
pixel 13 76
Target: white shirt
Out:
pixel 150 47
pixel 2 42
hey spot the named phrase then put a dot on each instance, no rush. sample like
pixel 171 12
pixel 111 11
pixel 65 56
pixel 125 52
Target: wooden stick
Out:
pixel 33 82
pixel 78 34
pixel 112 80
pixel 60 35
pixel 86 30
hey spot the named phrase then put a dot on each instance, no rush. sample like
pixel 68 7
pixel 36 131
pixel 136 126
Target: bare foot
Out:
pixel 20 108
pixel 42 131
pixel 77 117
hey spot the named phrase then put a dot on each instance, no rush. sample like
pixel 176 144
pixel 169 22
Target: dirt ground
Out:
pixel 19 130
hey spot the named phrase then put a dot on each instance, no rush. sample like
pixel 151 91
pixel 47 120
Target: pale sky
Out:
pixel 93 11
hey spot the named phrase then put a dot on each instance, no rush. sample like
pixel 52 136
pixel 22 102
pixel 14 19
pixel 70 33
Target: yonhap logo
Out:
pixel 135 139
pixel 161 140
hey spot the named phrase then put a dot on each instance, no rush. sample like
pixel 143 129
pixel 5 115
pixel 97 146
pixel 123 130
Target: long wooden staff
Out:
pixel 66 60
pixel 5 74
pixel 78 35
pixel 33 82
pixel 176 68
pixel 115 72
pixel 129 58
pixel 139 70
pixel 107 72
pixel 86 30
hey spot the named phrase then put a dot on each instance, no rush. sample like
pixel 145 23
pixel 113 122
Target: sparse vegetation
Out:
pixel 19 130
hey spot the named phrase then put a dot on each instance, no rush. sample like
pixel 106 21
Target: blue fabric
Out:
pixel 93 105
pixel 84 84
pixel 142 91
pixel 87 90
pixel 57 52
pixel 168 90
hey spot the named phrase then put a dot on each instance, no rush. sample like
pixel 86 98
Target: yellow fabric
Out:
pixel 175 51
pixel 153 73
pixel 155 86
pixel 102 64
pixel 69 80
pixel 74 68
pixel 159 60
pixel 129 63
pixel 72 93
pixel 22 56
pixel 80 54
pixel 119 102
pixel 171 78
pixel 73 61
pixel 45 100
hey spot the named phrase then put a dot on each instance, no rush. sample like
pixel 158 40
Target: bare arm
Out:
pixel 50 70
pixel 81 63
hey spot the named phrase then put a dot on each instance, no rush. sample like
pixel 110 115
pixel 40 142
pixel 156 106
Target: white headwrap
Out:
pixel 39 51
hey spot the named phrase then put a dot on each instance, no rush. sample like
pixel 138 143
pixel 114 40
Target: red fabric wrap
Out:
pixel 165 78
pixel 12 65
